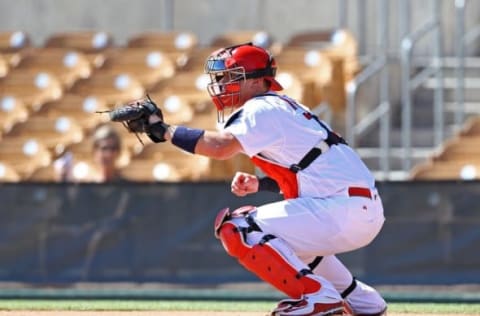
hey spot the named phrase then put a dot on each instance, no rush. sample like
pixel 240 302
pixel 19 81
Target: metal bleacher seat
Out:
pixel 54 133
pixel 93 43
pixel 224 170
pixel 191 87
pixel 66 64
pixel 447 170
pixel 313 69
pixel 83 171
pixel 178 45
pixel 12 111
pixel 4 66
pixel 24 155
pixel 149 65
pixel 460 148
pixel 175 109
pixel 458 159
pixel 256 37
pixel 196 60
pixel 471 127
pixel 79 108
pixel 166 163
pixel 12 45
pixel 335 43
pixel 32 87
pixel 340 48
pixel 42 174
pixel 8 173
pixel 114 88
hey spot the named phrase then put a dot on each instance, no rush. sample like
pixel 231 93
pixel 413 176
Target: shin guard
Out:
pixel 266 261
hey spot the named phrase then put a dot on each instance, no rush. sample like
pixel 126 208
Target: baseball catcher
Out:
pixel 330 201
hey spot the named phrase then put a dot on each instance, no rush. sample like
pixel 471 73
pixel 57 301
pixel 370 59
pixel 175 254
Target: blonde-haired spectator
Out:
pixel 103 165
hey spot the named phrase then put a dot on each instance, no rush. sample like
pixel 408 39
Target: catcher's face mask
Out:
pixel 231 66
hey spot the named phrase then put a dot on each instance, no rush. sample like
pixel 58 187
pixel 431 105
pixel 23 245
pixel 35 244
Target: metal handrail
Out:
pixel 408 84
pixel 462 39
pixel 381 113
pixel 460 54
pixel 325 111
pixel 351 91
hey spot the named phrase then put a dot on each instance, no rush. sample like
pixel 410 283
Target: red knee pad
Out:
pixel 266 262
pixel 232 240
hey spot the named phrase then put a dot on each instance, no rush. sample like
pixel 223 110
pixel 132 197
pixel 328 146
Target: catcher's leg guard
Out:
pixel 264 258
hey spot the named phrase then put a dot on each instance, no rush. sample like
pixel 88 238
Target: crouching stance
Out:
pixel 273 261
pixel 330 206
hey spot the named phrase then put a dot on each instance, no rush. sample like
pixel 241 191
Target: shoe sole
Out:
pixel 337 311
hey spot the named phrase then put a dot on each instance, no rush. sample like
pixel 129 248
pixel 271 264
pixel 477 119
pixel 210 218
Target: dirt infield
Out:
pixel 162 313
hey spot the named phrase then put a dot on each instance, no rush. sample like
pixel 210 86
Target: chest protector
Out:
pixel 286 177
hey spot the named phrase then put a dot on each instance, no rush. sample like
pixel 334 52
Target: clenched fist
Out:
pixel 244 183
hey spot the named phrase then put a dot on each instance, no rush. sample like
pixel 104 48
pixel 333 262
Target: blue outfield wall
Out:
pixel 163 232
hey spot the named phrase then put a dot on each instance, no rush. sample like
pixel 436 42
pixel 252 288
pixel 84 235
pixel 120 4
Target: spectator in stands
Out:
pixel 106 149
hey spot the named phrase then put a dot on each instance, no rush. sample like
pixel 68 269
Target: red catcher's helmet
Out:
pixel 227 67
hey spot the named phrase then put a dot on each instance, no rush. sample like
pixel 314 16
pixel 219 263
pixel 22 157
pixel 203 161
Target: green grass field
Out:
pixel 140 305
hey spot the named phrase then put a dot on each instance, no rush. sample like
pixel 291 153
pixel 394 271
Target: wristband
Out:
pixel 268 184
pixel 187 138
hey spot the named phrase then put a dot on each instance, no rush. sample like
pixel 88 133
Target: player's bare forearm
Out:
pixel 218 145
pixel 213 144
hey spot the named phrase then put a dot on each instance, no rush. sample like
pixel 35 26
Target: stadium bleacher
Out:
pixel 93 43
pixel 51 93
pixel 178 45
pixel 12 45
pixel 65 64
pixel 457 159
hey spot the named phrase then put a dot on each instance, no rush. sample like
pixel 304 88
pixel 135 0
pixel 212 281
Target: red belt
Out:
pixel 359 191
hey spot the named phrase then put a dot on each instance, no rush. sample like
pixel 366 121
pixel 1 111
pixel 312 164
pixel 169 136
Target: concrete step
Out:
pixel 422 110
pixel 372 158
pixel 468 107
pixel 451 64
pixel 392 175
pixel 471 91
pixel 471 72
pixel 421 137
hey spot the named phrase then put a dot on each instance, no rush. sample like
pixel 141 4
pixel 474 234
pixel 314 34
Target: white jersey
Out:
pixel 277 128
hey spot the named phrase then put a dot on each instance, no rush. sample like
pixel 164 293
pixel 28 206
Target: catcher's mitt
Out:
pixel 134 116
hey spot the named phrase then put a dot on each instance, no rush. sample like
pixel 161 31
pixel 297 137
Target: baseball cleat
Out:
pixel 381 313
pixel 302 307
pixel 347 310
